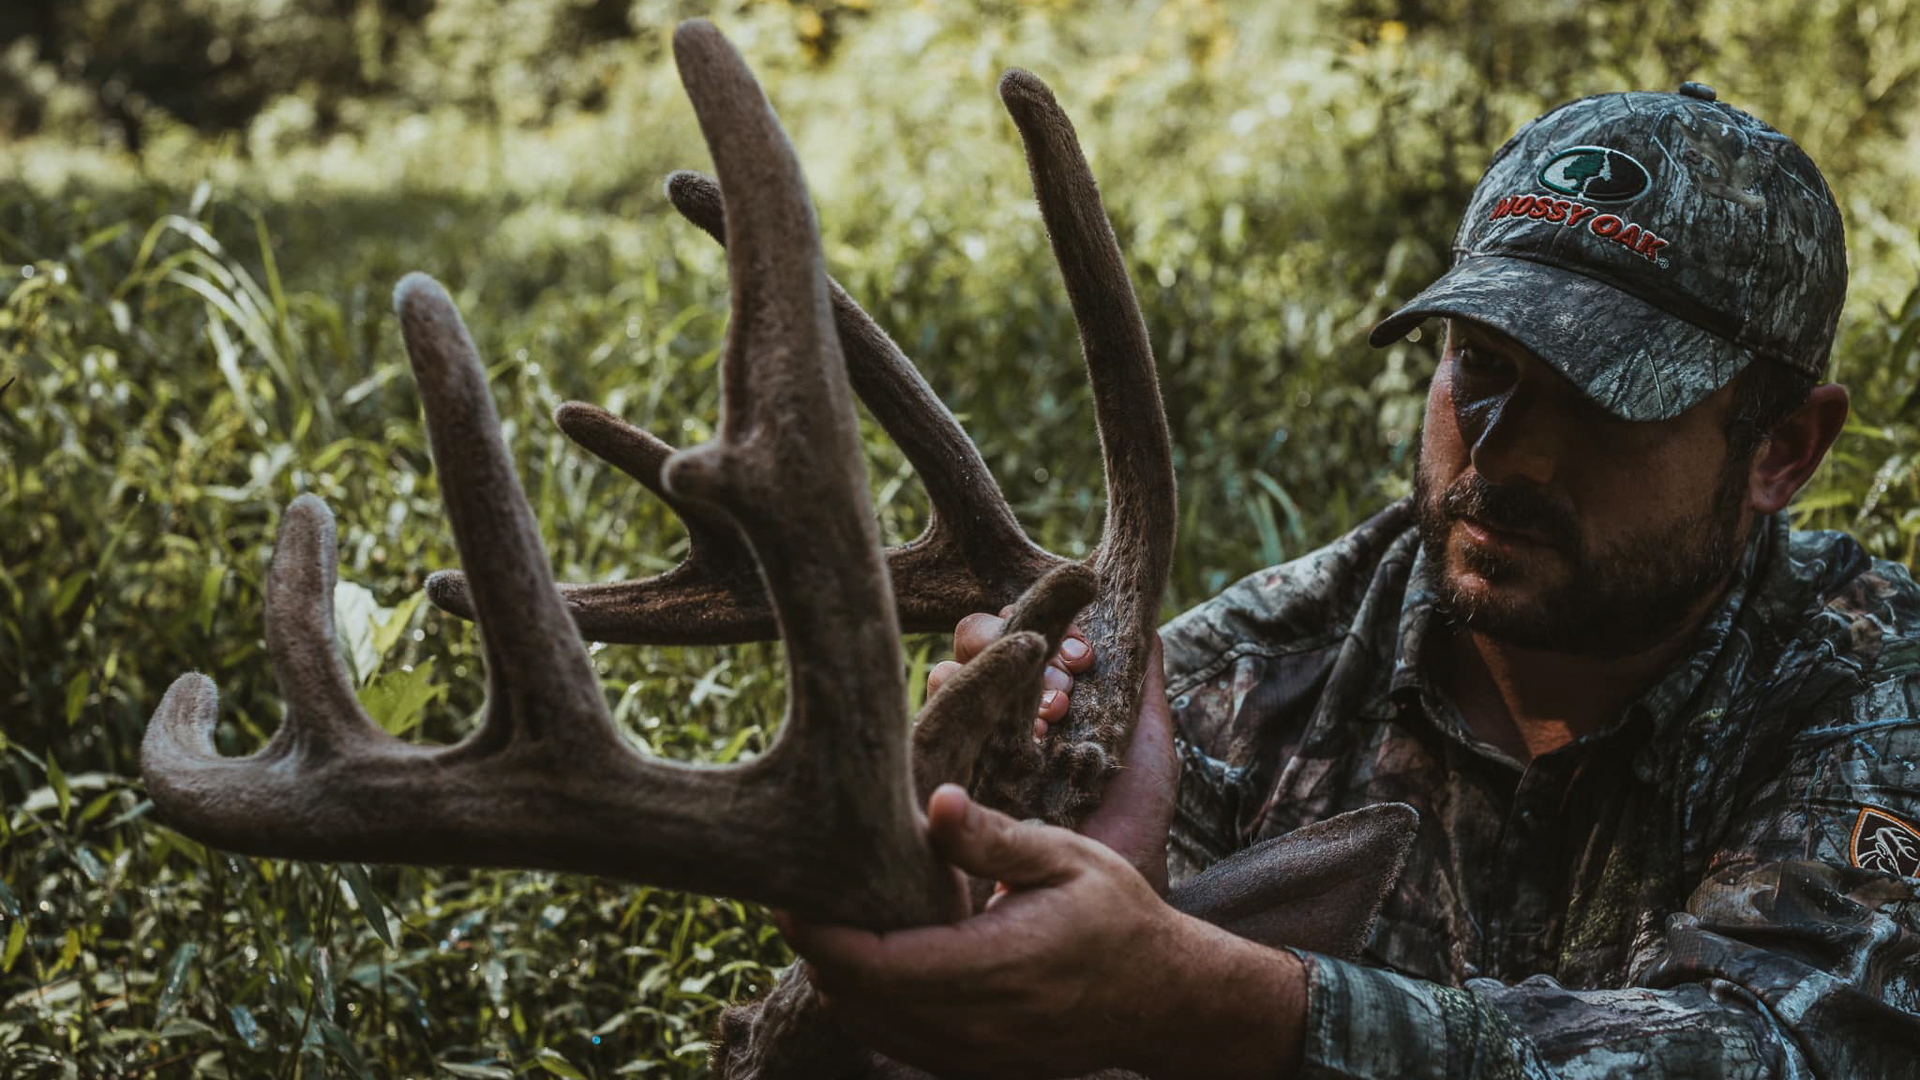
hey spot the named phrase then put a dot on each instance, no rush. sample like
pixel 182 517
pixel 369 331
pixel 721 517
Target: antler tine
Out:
pixel 322 712
pixel 537 669
pixel 1137 544
pixel 798 474
pixel 641 455
pixel 255 804
pixel 974 710
pixel 1135 554
pixel 712 597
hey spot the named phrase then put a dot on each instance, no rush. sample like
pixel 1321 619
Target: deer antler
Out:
pixel 547 781
pixel 972 555
pixel 784 544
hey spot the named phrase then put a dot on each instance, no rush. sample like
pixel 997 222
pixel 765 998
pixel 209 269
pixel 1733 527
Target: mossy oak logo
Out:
pixel 1596 174
pixel 1575 215
pixel 1886 844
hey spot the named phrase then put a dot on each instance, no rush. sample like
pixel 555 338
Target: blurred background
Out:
pixel 204 205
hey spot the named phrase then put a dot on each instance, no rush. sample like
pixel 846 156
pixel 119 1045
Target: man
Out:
pixel 1662 747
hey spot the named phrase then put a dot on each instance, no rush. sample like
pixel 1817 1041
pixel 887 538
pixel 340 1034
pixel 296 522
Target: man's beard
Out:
pixel 1614 602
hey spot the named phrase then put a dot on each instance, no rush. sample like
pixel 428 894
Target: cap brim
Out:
pixel 1626 355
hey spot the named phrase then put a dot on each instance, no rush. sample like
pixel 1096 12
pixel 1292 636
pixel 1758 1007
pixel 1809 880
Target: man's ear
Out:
pixel 1794 448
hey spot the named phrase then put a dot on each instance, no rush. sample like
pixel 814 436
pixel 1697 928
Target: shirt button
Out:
pixel 1699 90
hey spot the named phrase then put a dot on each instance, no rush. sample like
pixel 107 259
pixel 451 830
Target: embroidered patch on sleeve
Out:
pixel 1884 843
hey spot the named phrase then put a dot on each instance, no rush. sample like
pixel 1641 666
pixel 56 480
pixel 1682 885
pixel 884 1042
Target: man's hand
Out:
pixel 979 630
pixel 1137 809
pixel 1078 965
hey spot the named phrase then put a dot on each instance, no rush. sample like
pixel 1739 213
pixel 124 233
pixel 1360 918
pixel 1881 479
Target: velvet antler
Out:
pixel 783 544
pixel 547 781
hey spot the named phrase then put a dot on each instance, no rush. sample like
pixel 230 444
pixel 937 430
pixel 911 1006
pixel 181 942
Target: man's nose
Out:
pixel 1520 441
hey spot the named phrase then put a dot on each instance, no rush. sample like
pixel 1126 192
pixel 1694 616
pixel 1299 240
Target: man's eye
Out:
pixel 1473 362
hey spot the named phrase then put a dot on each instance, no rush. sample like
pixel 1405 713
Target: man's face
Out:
pixel 1550 524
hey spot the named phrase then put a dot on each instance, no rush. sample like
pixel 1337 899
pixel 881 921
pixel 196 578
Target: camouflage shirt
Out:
pixel 1720 884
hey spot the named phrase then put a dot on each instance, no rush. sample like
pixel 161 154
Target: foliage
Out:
pixel 197 337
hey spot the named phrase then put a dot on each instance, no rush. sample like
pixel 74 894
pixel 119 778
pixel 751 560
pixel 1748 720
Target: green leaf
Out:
pixel 69 591
pixel 100 237
pixel 244 1025
pixel 209 600
pixel 176 980
pixel 90 864
pixel 1824 500
pixel 399 699
pixel 495 975
pixel 336 1040
pixel 16 940
pixel 1296 531
pixel 734 745
pixel 70 950
pixel 183 1026
pixel 354 621
pixel 139 810
pixel 98 805
pixel 370 906
pixel 391 624
pixel 1264 525
pixel 58 781
pixel 8 905
pixel 477 1071
pixel 550 1060
pixel 323 979
pixel 77 688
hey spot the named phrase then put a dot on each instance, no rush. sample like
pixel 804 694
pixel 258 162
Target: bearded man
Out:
pixel 1661 745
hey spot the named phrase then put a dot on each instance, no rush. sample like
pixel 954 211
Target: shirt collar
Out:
pixel 1417 615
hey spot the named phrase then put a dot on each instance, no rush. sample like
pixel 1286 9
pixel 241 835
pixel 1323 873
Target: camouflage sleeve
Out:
pixel 1797 955
pixel 1374 1024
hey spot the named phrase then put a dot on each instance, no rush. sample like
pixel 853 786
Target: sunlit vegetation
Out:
pixel 195 265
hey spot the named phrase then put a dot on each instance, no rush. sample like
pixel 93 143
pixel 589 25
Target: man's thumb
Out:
pixel 988 844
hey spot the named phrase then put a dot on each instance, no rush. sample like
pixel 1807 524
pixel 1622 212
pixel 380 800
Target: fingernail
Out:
pixel 1047 699
pixel 1039 729
pixel 1056 679
pixel 1072 648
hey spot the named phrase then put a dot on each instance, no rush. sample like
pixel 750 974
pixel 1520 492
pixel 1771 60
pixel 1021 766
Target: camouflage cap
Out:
pixel 1649 246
